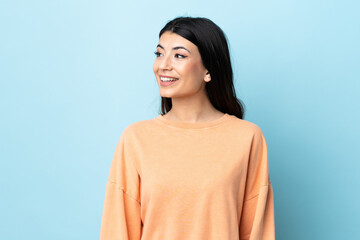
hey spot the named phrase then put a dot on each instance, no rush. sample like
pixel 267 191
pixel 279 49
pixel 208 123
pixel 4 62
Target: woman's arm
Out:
pixel 257 218
pixel 121 219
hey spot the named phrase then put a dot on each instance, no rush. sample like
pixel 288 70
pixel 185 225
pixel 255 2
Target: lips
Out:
pixel 167 80
pixel 164 76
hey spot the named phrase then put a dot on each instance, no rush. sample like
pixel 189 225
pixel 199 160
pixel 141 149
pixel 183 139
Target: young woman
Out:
pixel 198 170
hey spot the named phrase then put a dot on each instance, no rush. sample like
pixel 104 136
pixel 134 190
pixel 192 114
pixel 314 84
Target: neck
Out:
pixel 196 108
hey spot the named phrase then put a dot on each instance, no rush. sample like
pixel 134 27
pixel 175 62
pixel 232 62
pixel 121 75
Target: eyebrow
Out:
pixel 174 48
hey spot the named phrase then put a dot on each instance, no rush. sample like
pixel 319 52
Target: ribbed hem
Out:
pixel 192 125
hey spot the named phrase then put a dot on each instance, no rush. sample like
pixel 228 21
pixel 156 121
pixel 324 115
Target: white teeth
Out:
pixel 166 79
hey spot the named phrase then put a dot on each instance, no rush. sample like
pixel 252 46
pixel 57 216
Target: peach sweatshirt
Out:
pixel 175 180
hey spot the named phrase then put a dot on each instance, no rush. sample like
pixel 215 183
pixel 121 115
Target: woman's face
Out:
pixel 179 59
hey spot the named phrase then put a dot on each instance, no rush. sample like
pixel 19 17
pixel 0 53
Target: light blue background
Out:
pixel 74 74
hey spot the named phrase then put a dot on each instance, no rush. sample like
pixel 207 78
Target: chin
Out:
pixel 166 95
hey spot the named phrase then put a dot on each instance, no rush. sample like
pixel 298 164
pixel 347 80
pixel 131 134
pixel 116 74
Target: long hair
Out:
pixel 213 47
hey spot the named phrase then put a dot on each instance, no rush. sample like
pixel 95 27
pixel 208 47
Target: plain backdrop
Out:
pixel 75 73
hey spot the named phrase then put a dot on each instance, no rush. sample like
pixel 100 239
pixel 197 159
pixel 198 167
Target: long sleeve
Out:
pixel 257 219
pixel 121 219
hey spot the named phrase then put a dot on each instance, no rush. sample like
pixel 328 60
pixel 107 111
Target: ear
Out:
pixel 207 77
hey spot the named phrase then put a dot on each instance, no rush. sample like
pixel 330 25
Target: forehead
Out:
pixel 169 39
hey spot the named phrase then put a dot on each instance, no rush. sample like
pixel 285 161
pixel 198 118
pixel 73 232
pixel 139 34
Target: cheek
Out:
pixel 155 66
pixel 194 71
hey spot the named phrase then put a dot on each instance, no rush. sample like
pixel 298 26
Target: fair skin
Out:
pixel 179 58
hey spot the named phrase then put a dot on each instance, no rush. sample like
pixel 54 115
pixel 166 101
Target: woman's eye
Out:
pixel 179 56
pixel 157 54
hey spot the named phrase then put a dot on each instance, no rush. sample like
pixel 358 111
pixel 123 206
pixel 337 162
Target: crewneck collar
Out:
pixel 192 125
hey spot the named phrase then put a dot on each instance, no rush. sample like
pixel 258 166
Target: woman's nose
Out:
pixel 165 63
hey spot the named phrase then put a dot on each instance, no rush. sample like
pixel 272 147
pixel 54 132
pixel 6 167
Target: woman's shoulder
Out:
pixel 247 125
pixel 245 129
pixel 139 126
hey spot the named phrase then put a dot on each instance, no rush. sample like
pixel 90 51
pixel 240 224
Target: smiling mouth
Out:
pixel 168 79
